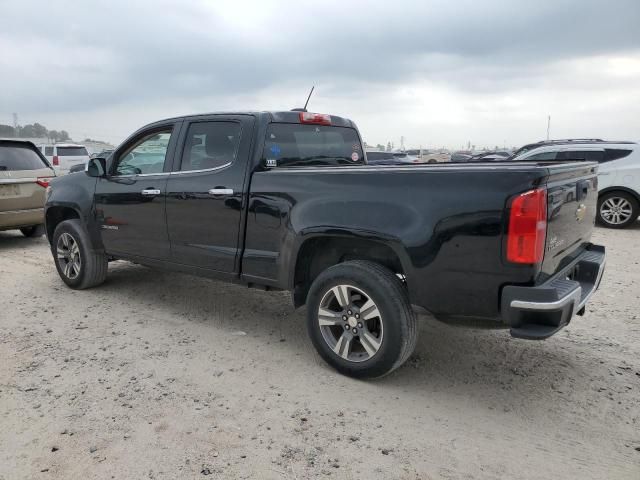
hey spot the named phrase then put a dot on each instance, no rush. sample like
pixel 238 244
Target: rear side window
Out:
pixel 579 155
pixel 15 157
pixel 379 156
pixel 615 154
pixel 48 151
pixel 544 156
pixel 299 145
pixel 71 151
pixel 210 145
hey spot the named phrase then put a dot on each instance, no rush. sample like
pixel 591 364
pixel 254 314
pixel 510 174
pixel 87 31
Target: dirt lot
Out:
pixel 157 375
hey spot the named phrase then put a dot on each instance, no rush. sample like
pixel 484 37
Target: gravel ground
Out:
pixel 164 376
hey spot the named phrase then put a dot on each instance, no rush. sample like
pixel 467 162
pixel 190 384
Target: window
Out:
pixel 48 151
pixel 615 154
pixel 295 145
pixel 210 145
pixel 579 155
pixel 146 156
pixel 543 157
pixel 72 151
pixel 14 156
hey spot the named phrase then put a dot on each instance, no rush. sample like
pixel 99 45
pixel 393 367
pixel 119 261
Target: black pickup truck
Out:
pixel 287 201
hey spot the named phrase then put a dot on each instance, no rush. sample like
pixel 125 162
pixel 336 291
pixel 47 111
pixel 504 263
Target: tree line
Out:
pixel 33 130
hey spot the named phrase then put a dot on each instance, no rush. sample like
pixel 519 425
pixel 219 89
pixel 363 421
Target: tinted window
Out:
pixel 544 156
pixel 19 157
pixel 295 145
pixel 146 156
pixel 210 145
pixel 48 151
pixel 71 151
pixel 578 155
pixel 615 154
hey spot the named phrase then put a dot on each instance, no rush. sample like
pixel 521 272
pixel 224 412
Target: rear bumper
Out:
pixel 536 313
pixel 21 218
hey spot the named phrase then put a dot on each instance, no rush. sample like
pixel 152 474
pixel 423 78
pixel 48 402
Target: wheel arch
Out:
pixel 56 214
pixel 319 252
pixel 630 191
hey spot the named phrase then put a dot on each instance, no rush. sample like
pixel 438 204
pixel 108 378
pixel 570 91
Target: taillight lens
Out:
pixel 43 181
pixel 317 118
pixel 527 227
pixel 56 162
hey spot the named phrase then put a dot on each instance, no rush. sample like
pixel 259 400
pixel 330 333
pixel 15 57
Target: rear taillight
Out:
pixel 56 162
pixel 43 181
pixel 317 118
pixel 527 227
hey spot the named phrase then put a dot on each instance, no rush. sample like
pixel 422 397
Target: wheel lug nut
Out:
pixel 359 325
pixel 355 331
pixel 349 312
pixel 357 315
pixel 346 327
pixel 344 317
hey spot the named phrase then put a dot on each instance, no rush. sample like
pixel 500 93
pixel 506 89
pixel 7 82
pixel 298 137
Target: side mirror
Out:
pixel 96 167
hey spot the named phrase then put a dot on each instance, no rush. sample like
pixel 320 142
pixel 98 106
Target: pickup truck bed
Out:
pixel 292 204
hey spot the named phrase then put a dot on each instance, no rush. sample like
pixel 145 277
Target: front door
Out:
pixel 205 191
pixel 130 200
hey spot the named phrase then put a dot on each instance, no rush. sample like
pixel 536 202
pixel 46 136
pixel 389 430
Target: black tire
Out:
pixel 34 231
pixel 92 269
pixel 611 221
pixel 396 324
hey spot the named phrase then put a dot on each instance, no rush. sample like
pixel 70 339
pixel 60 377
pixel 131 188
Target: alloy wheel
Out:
pixel 616 210
pixel 68 254
pixel 350 323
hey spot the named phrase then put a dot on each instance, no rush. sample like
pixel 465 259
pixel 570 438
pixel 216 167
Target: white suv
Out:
pixel 63 156
pixel 618 175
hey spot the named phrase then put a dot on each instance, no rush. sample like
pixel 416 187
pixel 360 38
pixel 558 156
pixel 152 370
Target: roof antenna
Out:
pixel 304 109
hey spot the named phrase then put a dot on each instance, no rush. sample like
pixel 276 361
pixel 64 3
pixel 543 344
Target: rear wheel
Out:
pixel 34 231
pixel 360 319
pixel 617 209
pixel 77 263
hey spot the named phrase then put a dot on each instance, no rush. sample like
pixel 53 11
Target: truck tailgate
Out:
pixel 572 195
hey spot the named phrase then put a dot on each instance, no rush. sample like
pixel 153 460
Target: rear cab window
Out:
pixel 71 151
pixel 303 145
pixel 16 156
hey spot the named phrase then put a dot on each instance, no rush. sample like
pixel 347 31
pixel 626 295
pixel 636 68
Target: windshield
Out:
pixel 71 151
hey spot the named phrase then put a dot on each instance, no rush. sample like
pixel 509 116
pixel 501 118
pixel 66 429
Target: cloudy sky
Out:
pixel 436 72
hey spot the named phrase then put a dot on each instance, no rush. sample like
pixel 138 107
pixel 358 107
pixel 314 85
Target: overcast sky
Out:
pixel 436 72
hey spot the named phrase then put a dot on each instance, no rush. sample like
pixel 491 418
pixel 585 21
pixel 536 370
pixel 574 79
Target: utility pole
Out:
pixel 15 122
pixel 548 126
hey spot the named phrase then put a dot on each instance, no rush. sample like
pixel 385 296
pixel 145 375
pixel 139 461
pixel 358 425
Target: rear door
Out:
pixel 23 179
pixel 206 191
pixel 130 200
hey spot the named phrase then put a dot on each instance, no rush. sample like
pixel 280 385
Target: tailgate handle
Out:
pixel 582 190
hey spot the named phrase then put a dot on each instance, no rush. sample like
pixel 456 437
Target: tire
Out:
pixel 32 232
pixel 367 349
pixel 617 210
pixel 77 263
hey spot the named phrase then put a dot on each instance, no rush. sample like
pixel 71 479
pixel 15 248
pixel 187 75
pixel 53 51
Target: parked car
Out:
pixel 24 176
pixel 379 157
pixel 285 201
pixel 460 157
pixel 618 175
pixel 65 155
pixel 429 156
pixel 490 156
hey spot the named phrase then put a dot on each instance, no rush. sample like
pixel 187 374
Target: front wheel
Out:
pixel 360 319
pixel 77 263
pixel 617 210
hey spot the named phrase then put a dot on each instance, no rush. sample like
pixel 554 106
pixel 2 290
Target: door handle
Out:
pixel 221 191
pixel 150 192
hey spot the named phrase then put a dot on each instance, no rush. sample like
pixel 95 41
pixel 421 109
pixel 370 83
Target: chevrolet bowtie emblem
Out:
pixel 581 212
